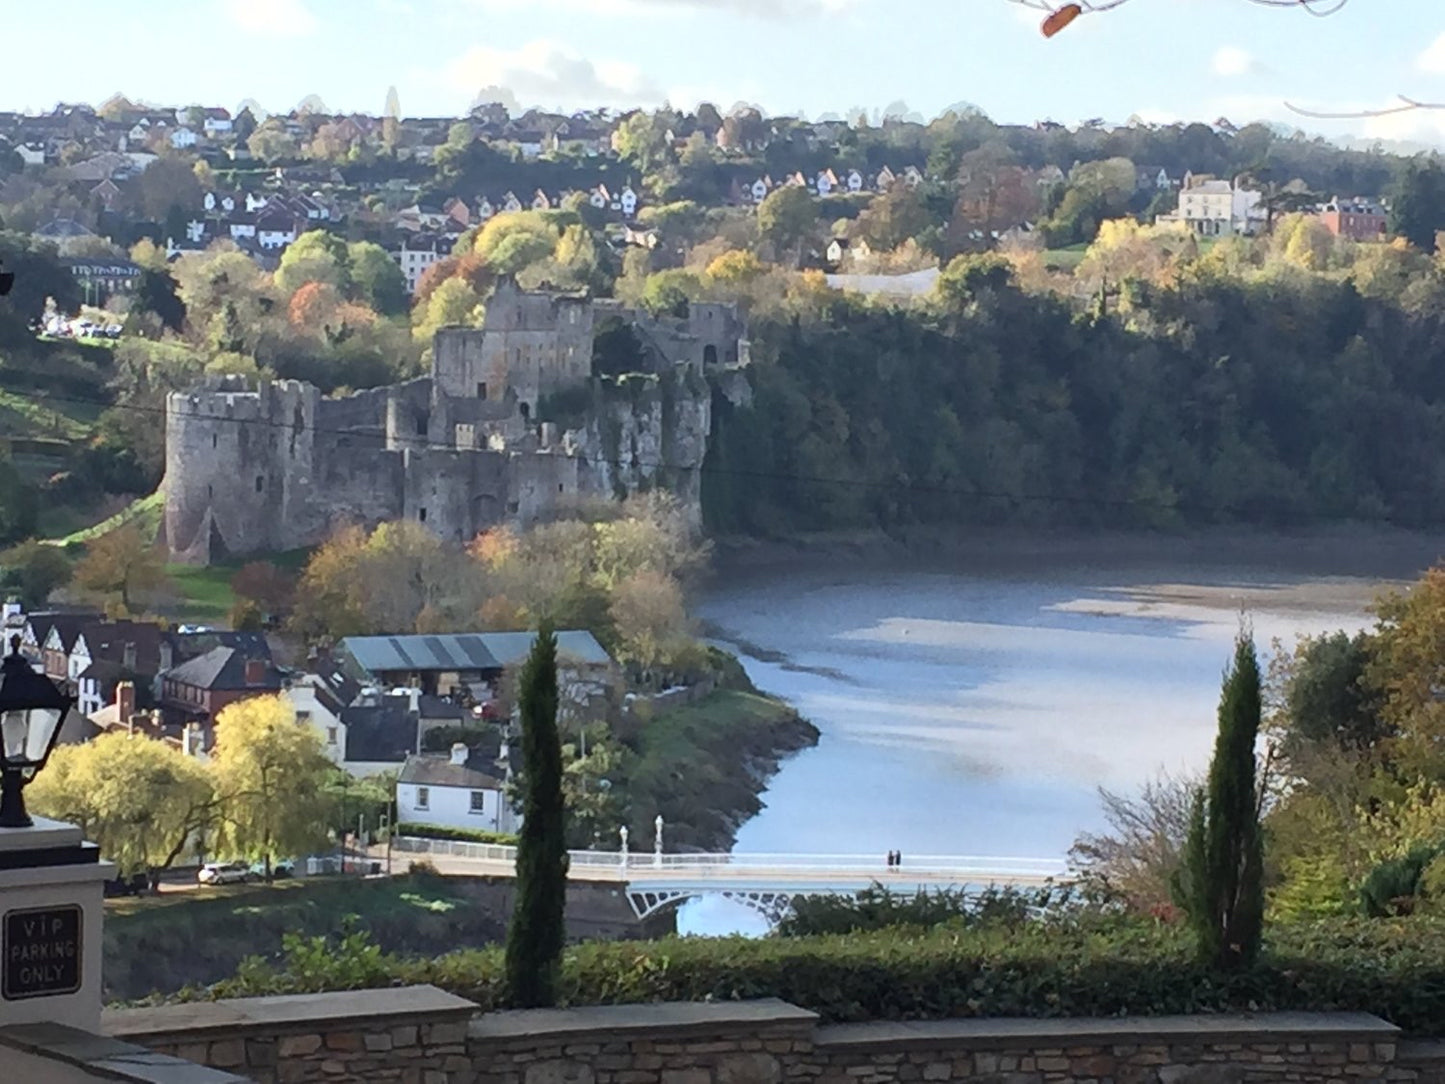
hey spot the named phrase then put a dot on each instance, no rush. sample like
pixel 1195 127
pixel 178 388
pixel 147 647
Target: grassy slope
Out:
pixel 165 942
pixel 703 765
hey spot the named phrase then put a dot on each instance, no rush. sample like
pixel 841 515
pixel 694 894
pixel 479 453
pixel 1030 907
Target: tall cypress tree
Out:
pixel 1221 884
pixel 538 932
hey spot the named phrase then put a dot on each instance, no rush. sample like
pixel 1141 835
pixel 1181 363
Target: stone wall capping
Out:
pixel 1015 1031
pixel 620 1021
pixel 93 1057
pixel 351 1010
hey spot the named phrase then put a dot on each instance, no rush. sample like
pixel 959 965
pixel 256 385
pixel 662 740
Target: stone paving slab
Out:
pixel 298 1012
pixel 624 1020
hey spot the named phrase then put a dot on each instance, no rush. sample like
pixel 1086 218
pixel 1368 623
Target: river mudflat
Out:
pixel 973 694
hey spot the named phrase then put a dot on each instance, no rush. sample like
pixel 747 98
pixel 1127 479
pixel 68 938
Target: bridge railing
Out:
pixel 722 864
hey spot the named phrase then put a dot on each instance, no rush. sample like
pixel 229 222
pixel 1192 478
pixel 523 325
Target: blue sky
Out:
pixel 1159 59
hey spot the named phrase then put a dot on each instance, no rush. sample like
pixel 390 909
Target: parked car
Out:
pixel 279 870
pixel 225 873
pixel 135 885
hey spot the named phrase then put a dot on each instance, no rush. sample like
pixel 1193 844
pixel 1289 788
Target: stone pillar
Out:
pixel 51 889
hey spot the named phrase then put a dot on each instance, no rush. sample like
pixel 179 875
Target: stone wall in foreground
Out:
pixel 420 1035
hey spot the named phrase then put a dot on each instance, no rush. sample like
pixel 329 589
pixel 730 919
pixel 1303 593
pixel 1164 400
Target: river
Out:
pixel 977 713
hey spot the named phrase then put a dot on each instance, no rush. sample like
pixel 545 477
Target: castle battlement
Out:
pixel 279 467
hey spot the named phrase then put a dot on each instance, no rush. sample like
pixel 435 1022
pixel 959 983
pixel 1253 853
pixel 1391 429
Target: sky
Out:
pixel 1160 60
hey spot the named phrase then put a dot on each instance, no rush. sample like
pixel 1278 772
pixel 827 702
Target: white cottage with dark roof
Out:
pixel 456 791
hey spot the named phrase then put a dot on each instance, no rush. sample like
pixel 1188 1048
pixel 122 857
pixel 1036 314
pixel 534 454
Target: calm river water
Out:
pixel 966 714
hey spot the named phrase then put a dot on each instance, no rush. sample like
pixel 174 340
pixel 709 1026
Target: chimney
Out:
pixel 255 672
pixel 127 657
pixel 414 700
pixel 191 739
pixel 460 753
pixel 124 702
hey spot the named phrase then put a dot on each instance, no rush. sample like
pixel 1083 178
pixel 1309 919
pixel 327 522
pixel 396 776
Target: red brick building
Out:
pixel 197 691
pixel 1358 219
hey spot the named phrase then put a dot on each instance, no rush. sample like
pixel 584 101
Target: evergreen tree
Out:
pixel 1417 205
pixel 535 940
pixel 1221 885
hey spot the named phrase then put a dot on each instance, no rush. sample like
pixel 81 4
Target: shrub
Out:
pixel 876 908
pixel 1395 885
pixel 1104 966
pixel 461 835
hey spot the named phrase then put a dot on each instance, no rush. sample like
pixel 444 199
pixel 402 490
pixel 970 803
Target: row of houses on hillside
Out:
pixel 372 701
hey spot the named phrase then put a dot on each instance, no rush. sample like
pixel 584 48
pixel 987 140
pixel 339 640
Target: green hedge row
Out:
pixel 461 835
pixel 1394 968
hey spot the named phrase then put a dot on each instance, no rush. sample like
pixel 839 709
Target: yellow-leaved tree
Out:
pixel 143 801
pixel 270 777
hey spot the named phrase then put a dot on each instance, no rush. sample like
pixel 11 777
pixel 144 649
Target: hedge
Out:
pixel 1393 968
pixel 461 835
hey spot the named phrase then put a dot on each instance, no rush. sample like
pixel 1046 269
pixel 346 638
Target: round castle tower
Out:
pixel 239 468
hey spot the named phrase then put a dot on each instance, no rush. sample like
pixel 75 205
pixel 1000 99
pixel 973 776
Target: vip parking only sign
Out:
pixel 41 949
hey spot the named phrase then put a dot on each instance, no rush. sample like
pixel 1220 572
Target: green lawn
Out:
pixel 204 593
pixel 1066 258
pixel 175 939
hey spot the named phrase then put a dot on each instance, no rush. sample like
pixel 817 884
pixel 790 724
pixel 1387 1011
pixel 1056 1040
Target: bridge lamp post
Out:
pixel 657 842
pixel 623 833
pixel 31 710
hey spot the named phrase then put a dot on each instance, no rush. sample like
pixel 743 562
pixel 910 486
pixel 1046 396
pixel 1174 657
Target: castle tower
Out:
pixel 239 467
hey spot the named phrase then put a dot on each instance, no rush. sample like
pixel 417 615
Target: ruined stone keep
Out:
pixel 511 423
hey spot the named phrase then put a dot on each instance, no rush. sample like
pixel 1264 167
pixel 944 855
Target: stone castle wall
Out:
pixel 423 1036
pixel 280 468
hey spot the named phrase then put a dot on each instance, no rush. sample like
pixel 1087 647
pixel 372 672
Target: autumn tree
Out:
pixel 315 256
pixel 893 217
pixel 376 279
pixel 262 583
pixel 31 571
pixel 270 776
pixel 141 799
pixel 121 566
pixel 650 619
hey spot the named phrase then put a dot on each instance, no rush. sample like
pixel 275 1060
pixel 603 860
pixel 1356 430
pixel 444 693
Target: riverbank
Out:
pixel 704 766
pixel 1317 568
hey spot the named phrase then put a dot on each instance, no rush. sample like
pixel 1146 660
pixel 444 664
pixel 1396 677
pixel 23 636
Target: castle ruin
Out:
pixel 511 424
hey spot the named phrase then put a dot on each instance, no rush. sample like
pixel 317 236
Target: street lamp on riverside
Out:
pixel 31 711
pixel 657 842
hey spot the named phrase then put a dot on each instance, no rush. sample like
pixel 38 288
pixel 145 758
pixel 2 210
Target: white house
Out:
pixel 825 182
pixel 32 154
pixel 208 201
pixel 511 204
pixel 275 228
pixel 242 226
pixel 912 177
pixel 628 200
pixel 540 202
pixel 884 181
pixel 254 202
pixel 415 257
pixel 452 792
pixel 182 138
pixel 1215 208
pixel 855 181
pixel 195 231
pixel 600 197
pixel 485 210
pixel 228 204
pixel 759 189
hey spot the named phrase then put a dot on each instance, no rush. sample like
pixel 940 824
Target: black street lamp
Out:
pixel 31 710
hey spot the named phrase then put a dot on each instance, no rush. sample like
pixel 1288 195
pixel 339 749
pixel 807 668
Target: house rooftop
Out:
pixel 385 734
pixel 416 654
pixel 439 771
pixel 224 668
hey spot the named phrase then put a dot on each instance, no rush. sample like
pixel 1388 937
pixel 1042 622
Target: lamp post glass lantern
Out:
pixel 31 711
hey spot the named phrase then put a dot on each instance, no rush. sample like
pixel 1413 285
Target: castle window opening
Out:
pixel 421 515
pixel 709 353
pixel 421 425
pixel 260 483
pixel 512 508
pixel 209 493
pixel 526 409
pixel 481 389
pixel 214 440
pixel 559 487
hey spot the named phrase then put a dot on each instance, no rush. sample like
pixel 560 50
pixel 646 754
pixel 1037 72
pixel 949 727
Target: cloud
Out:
pixel 762 9
pixel 1432 60
pixel 1231 61
pixel 271 18
pixel 550 74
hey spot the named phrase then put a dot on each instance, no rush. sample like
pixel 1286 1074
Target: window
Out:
pixel 423 797
pixel 260 483
pixel 214 440
pixel 421 515
pixel 303 716
pixel 330 735
pixel 481 389
pixel 479 801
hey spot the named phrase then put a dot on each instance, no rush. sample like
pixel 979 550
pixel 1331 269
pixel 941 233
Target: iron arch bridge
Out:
pixel 766 883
